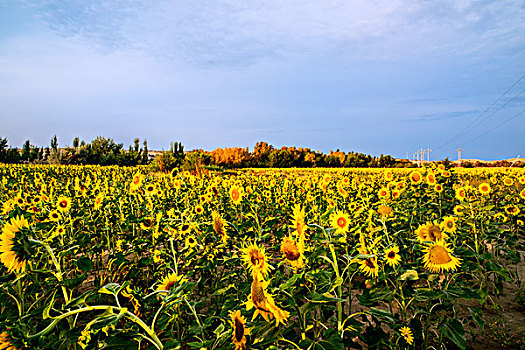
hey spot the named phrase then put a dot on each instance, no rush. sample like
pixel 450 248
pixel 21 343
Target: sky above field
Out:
pixel 378 77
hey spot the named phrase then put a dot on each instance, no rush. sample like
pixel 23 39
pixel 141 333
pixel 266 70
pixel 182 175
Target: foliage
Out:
pixel 94 257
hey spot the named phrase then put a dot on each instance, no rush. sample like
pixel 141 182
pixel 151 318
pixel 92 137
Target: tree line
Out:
pixel 105 151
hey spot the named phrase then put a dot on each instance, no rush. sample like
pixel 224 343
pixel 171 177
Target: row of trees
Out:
pixel 105 151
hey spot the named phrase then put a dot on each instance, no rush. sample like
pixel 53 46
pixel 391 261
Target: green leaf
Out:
pixel 453 330
pixel 291 281
pixel 84 264
pixel 111 288
pixel 475 312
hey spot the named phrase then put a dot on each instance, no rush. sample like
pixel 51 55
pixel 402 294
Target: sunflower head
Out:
pixel 238 323
pixel 292 252
pixel 392 256
pixel 256 260
pixel 220 226
pixel 341 222
pixel 63 203
pixel 15 247
pixel 438 257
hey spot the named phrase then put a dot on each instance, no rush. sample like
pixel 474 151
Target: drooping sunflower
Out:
pixel 341 222
pixel 293 252
pixel 255 258
pixel 421 233
pixel 63 203
pixel 407 334
pixel 484 188
pixel 220 226
pixel 449 224
pixel 263 302
pixel 438 257
pixel 240 331
pixel 298 221
pixel 12 248
pixel 236 194
pixel 392 256
pixel 415 177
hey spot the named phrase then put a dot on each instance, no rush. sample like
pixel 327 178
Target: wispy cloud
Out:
pixel 241 32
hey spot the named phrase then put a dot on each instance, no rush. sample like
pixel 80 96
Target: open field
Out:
pixel 119 257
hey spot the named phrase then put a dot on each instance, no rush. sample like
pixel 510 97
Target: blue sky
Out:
pixel 374 76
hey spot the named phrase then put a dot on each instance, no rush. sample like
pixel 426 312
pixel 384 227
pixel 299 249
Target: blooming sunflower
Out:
pixel 98 201
pixel 392 256
pixel 449 224
pixel 484 188
pixel 63 203
pixel 54 215
pixel 190 241
pixel 293 252
pixel 383 193
pixel 431 178
pixel 240 331
pixel 170 281
pixel 385 211
pixel 263 302
pixel 438 257
pixel 459 210
pixel 438 188
pixel 369 267
pixel 421 233
pixel 220 226
pixel 256 259
pixel 199 210
pixel 236 194
pixel 512 209
pixel 340 222
pixel 522 194
pixel 147 223
pixel 407 335
pixel 415 177
pixel 13 252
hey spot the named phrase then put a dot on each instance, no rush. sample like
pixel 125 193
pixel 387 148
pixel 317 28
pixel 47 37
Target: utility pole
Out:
pixel 422 156
pixel 417 154
pixel 459 155
pixel 428 154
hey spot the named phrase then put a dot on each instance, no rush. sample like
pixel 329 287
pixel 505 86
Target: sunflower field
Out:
pixel 122 258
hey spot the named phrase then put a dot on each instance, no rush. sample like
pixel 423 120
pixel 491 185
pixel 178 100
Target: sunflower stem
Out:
pixel 58 274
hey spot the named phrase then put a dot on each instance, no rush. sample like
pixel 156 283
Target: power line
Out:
pixel 477 120
pixel 496 127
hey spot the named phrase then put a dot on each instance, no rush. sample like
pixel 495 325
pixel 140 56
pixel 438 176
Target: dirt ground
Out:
pixel 505 321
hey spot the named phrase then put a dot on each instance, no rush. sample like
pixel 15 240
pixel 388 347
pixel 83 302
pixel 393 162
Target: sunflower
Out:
pixel 239 329
pixel 13 252
pixel 421 233
pixel 169 282
pixel 236 194
pixel 383 193
pixel 484 188
pixel 63 203
pixel 435 233
pixel 340 222
pixel 507 181
pixel 369 267
pixel 190 241
pixel 54 216
pixel 6 342
pixel 150 189
pixel 512 209
pixel 438 257
pixel 147 223
pixel 438 188
pixel 407 335
pixel 98 201
pixel 256 259
pixel 220 226
pixel 392 256
pixel 415 177
pixel 263 302
pixel 184 229
pixel 522 194
pixel 449 224
pixel 431 178
pixel 293 252
pixel 298 222
pixel 385 211
pixel 459 210
pixel 199 210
